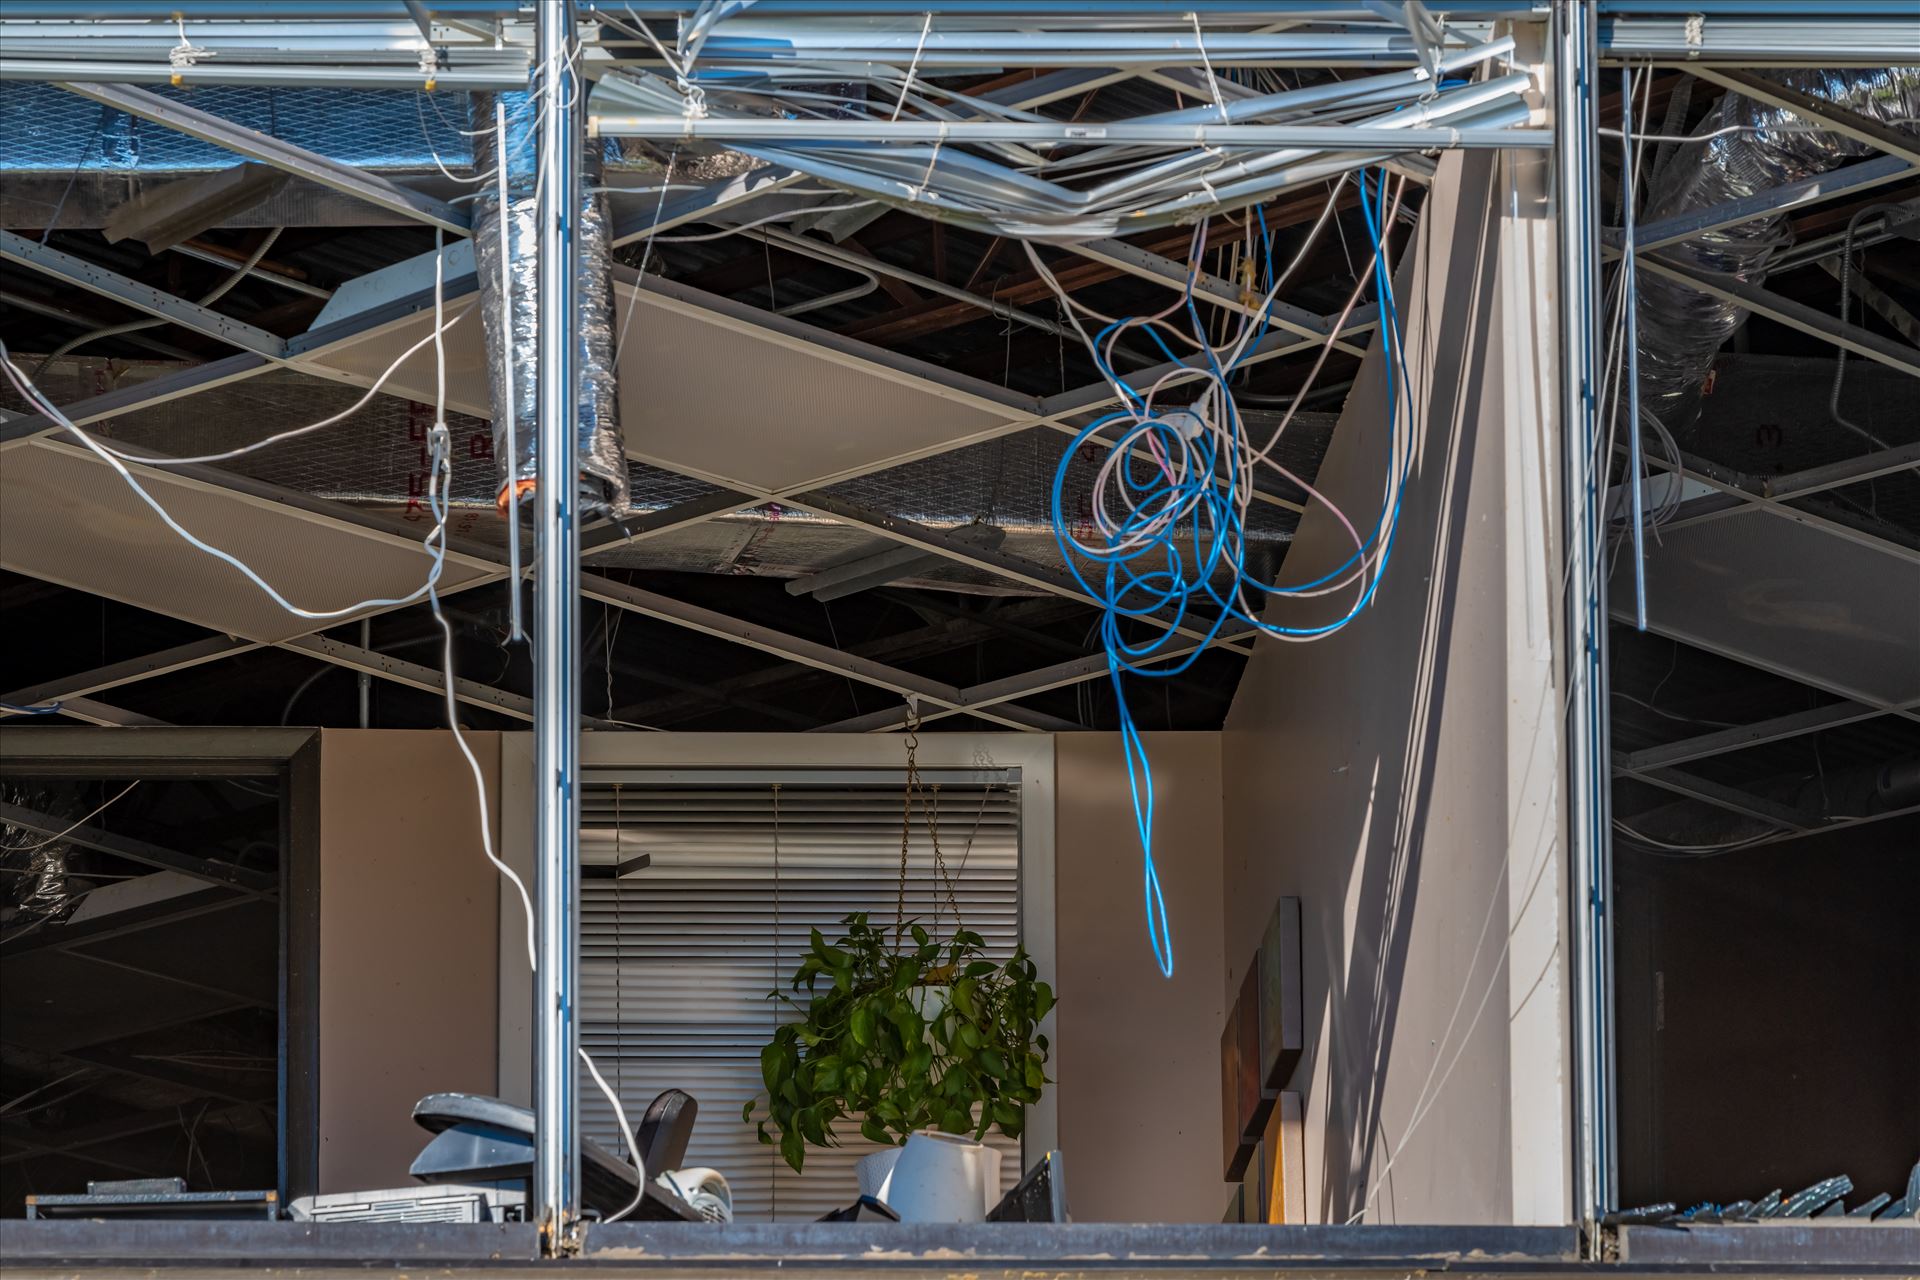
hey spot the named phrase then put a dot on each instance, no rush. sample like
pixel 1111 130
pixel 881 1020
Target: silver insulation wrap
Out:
pixel 37 885
pixel 511 322
pixel 1681 328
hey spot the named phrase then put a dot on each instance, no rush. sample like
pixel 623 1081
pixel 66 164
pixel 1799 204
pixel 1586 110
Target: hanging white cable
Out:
pixel 55 839
pixel 25 386
pixel 295 432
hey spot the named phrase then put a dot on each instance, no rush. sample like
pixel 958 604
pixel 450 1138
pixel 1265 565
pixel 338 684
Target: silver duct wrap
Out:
pixel 1680 328
pixel 38 886
pixel 511 323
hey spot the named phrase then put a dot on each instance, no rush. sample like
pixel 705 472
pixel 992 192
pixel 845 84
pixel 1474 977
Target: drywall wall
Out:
pixel 412 933
pixel 408 944
pixel 1400 777
pixel 1138 1067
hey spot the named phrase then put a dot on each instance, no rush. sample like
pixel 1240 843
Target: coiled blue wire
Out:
pixel 1154 578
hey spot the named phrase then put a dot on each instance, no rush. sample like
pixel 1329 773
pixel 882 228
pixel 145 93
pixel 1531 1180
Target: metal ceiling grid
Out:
pixel 67 518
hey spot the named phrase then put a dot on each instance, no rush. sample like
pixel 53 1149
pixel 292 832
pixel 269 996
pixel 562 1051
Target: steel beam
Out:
pixel 1797 315
pixel 1138 263
pixel 791 648
pixel 141 297
pixel 100 713
pixel 1833 475
pixel 997 693
pixel 1881 137
pixel 975 555
pixel 415 676
pixel 1732 799
pixel 1739 738
pixel 269 150
pixel 140 851
pixel 666 520
pixel 1851 180
pixel 165 662
pixel 139 395
pixel 696 206
pixel 1336 138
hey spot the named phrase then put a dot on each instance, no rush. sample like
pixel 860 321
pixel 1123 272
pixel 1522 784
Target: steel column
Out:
pixel 556 652
pixel 1577 180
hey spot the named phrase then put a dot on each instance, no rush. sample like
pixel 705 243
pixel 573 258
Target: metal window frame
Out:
pixel 293 757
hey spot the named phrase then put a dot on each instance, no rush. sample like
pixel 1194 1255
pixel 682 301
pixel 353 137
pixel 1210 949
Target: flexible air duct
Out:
pixel 1682 328
pixel 509 310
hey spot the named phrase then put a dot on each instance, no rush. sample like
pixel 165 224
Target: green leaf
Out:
pixel 860 1024
pixel 956 1121
pixel 919 935
pixel 995 1063
pixel 746 1112
pixel 873 1131
pixel 981 967
pixel 1042 1000
pixel 793 1149
pixel 963 997
pixel 1035 1077
pixel 967 1037
pixel 776 1061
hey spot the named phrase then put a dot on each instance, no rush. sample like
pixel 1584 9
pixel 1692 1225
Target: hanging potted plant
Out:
pixel 905 1030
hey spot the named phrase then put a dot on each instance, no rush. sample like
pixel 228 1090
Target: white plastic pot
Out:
pixel 939 1177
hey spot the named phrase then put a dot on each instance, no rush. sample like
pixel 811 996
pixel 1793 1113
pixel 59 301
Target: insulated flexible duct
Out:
pixel 509 305
pixel 1681 328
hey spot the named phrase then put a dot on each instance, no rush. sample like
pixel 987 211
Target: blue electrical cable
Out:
pixel 1146 574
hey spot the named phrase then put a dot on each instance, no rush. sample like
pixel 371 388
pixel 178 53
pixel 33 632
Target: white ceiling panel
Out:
pixel 66 517
pixel 723 392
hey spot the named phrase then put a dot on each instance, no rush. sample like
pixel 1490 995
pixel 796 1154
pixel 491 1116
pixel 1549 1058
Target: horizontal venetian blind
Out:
pixel 677 960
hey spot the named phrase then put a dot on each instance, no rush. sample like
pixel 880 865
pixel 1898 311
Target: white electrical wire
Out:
pixel 25 386
pixel 33 848
pixel 296 432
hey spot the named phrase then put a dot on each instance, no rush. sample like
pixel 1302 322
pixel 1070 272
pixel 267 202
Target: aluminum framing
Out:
pixel 1575 93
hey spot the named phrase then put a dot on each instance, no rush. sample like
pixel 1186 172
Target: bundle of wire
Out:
pixel 1182 476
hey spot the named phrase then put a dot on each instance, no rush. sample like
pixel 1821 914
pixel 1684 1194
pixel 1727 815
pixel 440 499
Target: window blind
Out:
pixel 678 958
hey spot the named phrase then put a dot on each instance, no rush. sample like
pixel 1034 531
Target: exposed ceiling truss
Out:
pixel 1066 411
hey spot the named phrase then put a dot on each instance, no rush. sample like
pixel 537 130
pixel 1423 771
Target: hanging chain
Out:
pixel 773 1006
pixel 906 817
pixel 776 896
pixel 930 816
pixel 619 955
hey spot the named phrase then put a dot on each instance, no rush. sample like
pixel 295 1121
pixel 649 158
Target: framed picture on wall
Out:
pixel 1234 1142
pixel 1282 1159
pixel 1253 1099
pixel 1282 1034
